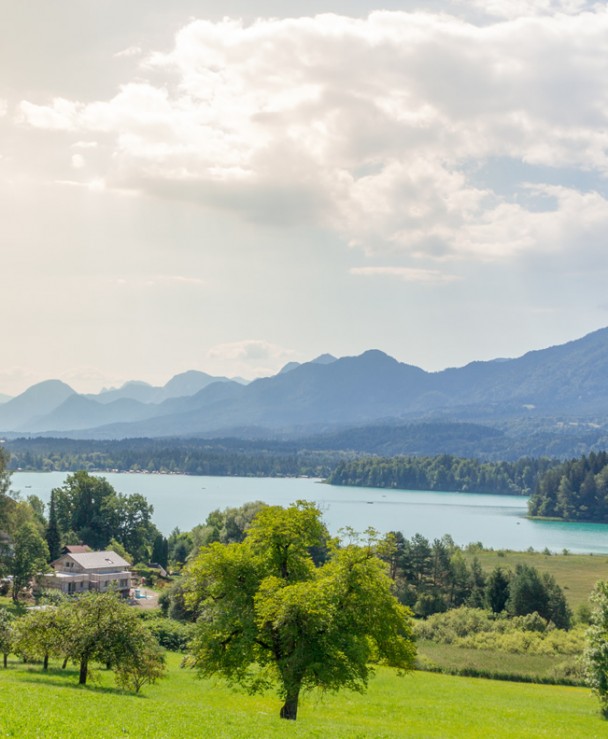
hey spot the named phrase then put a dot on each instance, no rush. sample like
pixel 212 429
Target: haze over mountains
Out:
pixel 562 384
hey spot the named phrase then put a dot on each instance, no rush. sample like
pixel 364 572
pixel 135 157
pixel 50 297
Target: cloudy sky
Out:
pixel 187 188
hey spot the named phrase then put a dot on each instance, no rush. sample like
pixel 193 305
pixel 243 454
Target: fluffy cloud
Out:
pixel 372 127
pixel 251 357
pixel 517 8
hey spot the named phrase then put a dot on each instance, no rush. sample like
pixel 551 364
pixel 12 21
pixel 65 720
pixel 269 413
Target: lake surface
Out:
pixel 498 521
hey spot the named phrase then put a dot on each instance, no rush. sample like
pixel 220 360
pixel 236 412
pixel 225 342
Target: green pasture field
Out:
pixel 576 573
pixel 49 706
pixel 534 668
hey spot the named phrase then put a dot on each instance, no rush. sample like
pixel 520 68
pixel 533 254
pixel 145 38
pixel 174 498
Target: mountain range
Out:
pixel 560 385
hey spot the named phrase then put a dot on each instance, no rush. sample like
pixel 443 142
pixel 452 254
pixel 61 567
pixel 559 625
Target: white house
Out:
pixel 79 572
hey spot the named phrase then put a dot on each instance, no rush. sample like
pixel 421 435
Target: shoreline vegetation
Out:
pixel 571 490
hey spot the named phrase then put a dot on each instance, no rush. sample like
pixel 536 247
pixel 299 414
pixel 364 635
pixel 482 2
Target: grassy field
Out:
pixel 419 705
pixel 576 573
pixel 541 668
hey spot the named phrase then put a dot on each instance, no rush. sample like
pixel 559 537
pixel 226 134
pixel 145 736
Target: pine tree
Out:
pixel 53 537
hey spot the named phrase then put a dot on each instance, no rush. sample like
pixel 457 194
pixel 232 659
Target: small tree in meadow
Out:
pixel 142 664
pixel 6 634
pixel 40 635
pixel 101 628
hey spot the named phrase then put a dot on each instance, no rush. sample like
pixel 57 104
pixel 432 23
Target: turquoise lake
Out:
pixel 498 521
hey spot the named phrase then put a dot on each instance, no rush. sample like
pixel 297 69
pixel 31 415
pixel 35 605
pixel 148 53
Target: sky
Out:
pixel 229 190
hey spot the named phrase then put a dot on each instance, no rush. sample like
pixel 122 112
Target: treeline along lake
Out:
pixel 497 521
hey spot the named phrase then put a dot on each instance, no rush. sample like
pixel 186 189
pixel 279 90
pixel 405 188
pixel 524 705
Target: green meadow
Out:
pixel 575 573
pixel 33 704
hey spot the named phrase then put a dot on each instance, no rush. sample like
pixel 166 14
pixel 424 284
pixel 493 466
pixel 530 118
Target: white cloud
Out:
pixel 406 274
pixel 518 8
pixel 250 357
pixel 129 52
pixel 62 115
pixel 85 145
pixel 369 126
pixel 152 281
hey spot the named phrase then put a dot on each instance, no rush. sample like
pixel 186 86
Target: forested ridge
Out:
pixel 444 472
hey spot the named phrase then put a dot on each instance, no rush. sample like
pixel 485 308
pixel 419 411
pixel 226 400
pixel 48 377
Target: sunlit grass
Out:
pixel 541 668
pixel 418 705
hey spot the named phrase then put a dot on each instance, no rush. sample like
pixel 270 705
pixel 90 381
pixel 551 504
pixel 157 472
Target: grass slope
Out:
pixel 419 705
pixel 533 668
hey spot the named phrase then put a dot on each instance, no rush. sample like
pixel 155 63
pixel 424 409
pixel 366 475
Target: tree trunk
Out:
pixel 84 668
pixel 290 707
pixel 65 663
pixel 5 660
pixel 45 664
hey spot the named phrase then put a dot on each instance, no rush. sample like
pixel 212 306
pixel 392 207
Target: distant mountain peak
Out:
pixel 321 359
pixel 324 359
pixel 39 399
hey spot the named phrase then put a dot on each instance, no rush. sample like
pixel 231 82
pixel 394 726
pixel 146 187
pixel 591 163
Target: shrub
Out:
pixel 170 634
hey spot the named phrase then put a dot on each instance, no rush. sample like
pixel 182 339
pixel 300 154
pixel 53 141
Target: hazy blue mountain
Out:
pixel 132 390
pixel 349 390
pixel 321 359
pixel 570 380
pixel 78 412
pixel 181 385
pixel 36 401
pixel 187 384
pixel 5 398
pixel 567 383
pixel 288 367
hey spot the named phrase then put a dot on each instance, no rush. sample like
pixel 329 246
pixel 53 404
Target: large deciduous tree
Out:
pixel 6 502
pixel 88 509
pixel 595 658
pixel 269 615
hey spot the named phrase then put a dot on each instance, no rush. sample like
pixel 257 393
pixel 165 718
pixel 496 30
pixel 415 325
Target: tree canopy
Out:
pixel 596 653
pixel 268 615
pixel 576 490
pixel 29 557
pixel 6 501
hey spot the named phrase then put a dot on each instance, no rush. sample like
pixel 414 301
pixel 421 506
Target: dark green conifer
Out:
pixel 53 537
